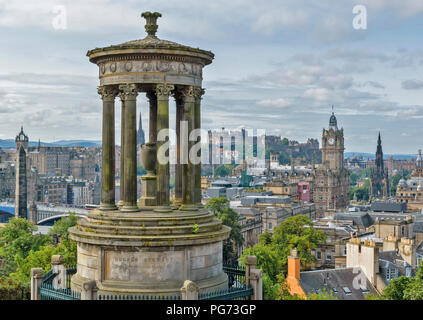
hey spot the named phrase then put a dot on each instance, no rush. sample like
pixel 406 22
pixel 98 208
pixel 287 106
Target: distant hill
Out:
pixel 385 156
pixel 10 143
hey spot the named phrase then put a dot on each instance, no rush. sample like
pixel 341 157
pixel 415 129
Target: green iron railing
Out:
pixel 138 297
pixel 236 275
pixel 48 292
pixel 237 288
pixel 241 293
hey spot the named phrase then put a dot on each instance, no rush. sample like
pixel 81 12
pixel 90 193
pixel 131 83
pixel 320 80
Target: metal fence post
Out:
pixel 36 278
pixel 89 290
pixel 189 290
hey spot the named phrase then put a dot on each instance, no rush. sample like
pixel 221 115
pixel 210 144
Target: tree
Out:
pixel 216 205
pixel 273 250
pixel 42 259
pixel 220 207
pixel 230 218
pixel 61 226
pixel 223 171
pixel 17 240
pixel 395 289
pixel 285 141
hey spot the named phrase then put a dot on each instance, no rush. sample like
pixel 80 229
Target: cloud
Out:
pixel 412 84
pixel 278 103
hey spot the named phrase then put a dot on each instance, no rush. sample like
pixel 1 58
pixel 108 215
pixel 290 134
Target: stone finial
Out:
pixel 151 22
pixel 251 260
pixel 294 253
pixel 57 259
pixel 189 290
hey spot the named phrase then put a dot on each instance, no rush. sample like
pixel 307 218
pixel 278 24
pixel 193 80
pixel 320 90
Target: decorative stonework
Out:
pixel 128 91
pixel 163 90
pixel 198 93
pixel 107 92
pixel 156 65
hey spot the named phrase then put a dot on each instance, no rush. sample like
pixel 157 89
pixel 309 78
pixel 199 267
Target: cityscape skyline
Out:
pixel 282 75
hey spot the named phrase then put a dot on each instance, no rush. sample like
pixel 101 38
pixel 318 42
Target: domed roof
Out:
pixel 402 182
pixel 151 45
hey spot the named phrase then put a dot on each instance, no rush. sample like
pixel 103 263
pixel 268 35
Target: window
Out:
pixel 318 255
pixel 328 255
pixel 347 291
pixel 344 251
pixel 270 214
pixel 270 225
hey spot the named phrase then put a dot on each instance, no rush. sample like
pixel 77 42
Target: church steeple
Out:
pixel 140 133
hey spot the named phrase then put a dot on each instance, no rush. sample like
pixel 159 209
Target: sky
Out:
pixel 279 66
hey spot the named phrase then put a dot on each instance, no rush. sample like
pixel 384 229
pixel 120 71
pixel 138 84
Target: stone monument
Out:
pixel 147 245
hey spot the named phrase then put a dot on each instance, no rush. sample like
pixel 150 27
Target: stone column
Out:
pixel 122 157
pixel 188 176
pixel 128 95
pixel 198 93
pixel 152 98
pixel 178 165
pixel 36 278
pixel 162 92
pixel 108 94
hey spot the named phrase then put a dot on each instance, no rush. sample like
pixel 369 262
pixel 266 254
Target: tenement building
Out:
pixel 331 178
pixel 411 191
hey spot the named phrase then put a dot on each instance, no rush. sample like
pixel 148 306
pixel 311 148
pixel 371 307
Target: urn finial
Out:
pixel 151 22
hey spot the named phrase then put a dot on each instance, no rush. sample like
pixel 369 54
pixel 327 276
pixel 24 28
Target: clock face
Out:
pixel 331 141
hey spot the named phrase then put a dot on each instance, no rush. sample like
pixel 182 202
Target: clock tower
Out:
pixel 333 145
pixel 331 179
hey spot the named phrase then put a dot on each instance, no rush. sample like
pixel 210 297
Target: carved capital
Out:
pixel 128 91
pixel 198 93
pixel 107 92
pixel 187 94
pixel 163 90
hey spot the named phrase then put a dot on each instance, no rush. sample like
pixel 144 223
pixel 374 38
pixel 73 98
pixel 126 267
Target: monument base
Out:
pixel 149 252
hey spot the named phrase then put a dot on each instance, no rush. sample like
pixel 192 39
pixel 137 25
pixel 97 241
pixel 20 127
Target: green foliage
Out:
pixel 20 250
pixel 285 141
pixel 273 250
pixel 217 205
pixel 405 288
pixel 17 240
pixel 13 290
pixel 220 207
pixel 372 296
pixel 42 259
pixel 61 226
pixel 206 170
pixel 324 295
pixel 395 289
pixel 224 170
pixel 195 228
